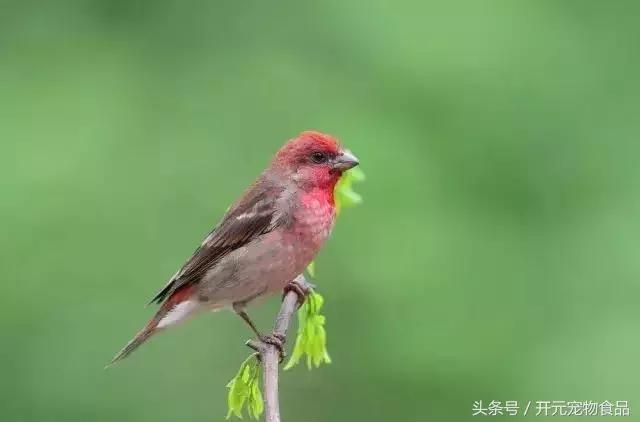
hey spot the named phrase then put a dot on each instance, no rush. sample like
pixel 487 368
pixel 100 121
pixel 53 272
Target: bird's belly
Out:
pixel 259 268
pixel 276 267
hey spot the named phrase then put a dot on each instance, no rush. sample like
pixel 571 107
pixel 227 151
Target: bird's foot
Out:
pixel 302 290
pixel 274 339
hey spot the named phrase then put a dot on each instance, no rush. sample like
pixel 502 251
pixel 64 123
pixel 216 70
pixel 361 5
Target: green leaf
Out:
pixel 311 269
pixel 256 404
pixel 344 194
pixel 244 388
pixel 311 340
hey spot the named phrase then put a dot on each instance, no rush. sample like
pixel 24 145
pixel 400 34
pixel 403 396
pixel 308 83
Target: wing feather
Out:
pixel 252 216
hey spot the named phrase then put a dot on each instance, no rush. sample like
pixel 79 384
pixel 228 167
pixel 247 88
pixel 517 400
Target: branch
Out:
pixel 269 354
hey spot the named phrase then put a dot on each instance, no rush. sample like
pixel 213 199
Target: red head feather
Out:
pixel 313 159
pixel 306 143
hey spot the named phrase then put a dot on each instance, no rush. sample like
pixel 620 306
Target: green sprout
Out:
pixel 244 388
pixel 311 269
pixel 344 194
pixel 312 337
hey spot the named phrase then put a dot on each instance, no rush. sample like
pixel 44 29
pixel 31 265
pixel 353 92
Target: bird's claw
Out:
pixel 302 291
pixel 274 339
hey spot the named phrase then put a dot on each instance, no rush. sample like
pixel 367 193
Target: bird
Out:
pixel 262 243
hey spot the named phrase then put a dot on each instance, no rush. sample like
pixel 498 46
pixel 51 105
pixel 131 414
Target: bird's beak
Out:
pixel 345 161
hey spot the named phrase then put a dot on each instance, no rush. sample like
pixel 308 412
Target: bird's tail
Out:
pixel 135 342
pixel 165 317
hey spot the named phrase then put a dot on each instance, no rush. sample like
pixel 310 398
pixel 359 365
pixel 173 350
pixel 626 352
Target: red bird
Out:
pixel 263 242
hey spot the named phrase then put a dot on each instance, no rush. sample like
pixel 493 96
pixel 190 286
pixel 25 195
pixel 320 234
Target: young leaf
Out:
pixel 311 268
pixel 311 340
pixel 244 388
pixel 344 194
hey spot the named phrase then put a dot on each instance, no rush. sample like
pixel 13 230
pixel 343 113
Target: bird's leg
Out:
pixel 301 290
pixel 245 317
pixel 274 339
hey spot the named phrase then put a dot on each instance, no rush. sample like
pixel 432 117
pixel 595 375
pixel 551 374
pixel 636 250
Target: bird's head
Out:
pixel 314 159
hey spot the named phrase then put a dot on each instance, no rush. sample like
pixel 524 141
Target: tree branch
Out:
pixel 269 354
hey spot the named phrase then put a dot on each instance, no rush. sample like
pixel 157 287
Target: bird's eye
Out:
pixel 319 157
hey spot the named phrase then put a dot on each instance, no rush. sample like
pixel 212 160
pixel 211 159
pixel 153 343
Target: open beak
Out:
pixel 345 161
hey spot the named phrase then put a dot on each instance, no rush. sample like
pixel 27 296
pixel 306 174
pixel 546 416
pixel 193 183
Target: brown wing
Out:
pixel 252 216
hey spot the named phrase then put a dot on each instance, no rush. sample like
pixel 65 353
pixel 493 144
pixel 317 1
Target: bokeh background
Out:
pixel 496 256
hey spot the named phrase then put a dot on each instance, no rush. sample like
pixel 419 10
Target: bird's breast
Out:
pixel 312 224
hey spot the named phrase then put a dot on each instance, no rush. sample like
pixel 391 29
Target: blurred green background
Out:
pixel 496 256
